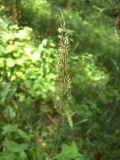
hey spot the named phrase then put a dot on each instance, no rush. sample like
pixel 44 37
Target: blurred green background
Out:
pixel 28 60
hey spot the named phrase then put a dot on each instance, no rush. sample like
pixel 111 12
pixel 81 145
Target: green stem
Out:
pixel 57 138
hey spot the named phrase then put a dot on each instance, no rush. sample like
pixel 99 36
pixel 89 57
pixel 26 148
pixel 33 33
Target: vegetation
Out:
pixel 59 80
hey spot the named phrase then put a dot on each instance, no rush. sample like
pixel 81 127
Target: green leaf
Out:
pixel 14 147
pixel 10 156
pixel 9 112
pixel 65 149
pixel 9 128
pixel 10 62
pixel 74 149
pixel 69 152
pixel 22 155
pixel 11 146
pixel 23 134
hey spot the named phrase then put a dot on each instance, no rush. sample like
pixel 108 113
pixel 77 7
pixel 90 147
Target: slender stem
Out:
pixel 57 138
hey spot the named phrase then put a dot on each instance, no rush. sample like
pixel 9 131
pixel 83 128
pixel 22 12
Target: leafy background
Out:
pixel 28 60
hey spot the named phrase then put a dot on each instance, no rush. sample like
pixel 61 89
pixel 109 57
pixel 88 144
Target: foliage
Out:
pixel 25 70
pixel 69 152
pixel 28 56
pixel 22 60
pixel 14 151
